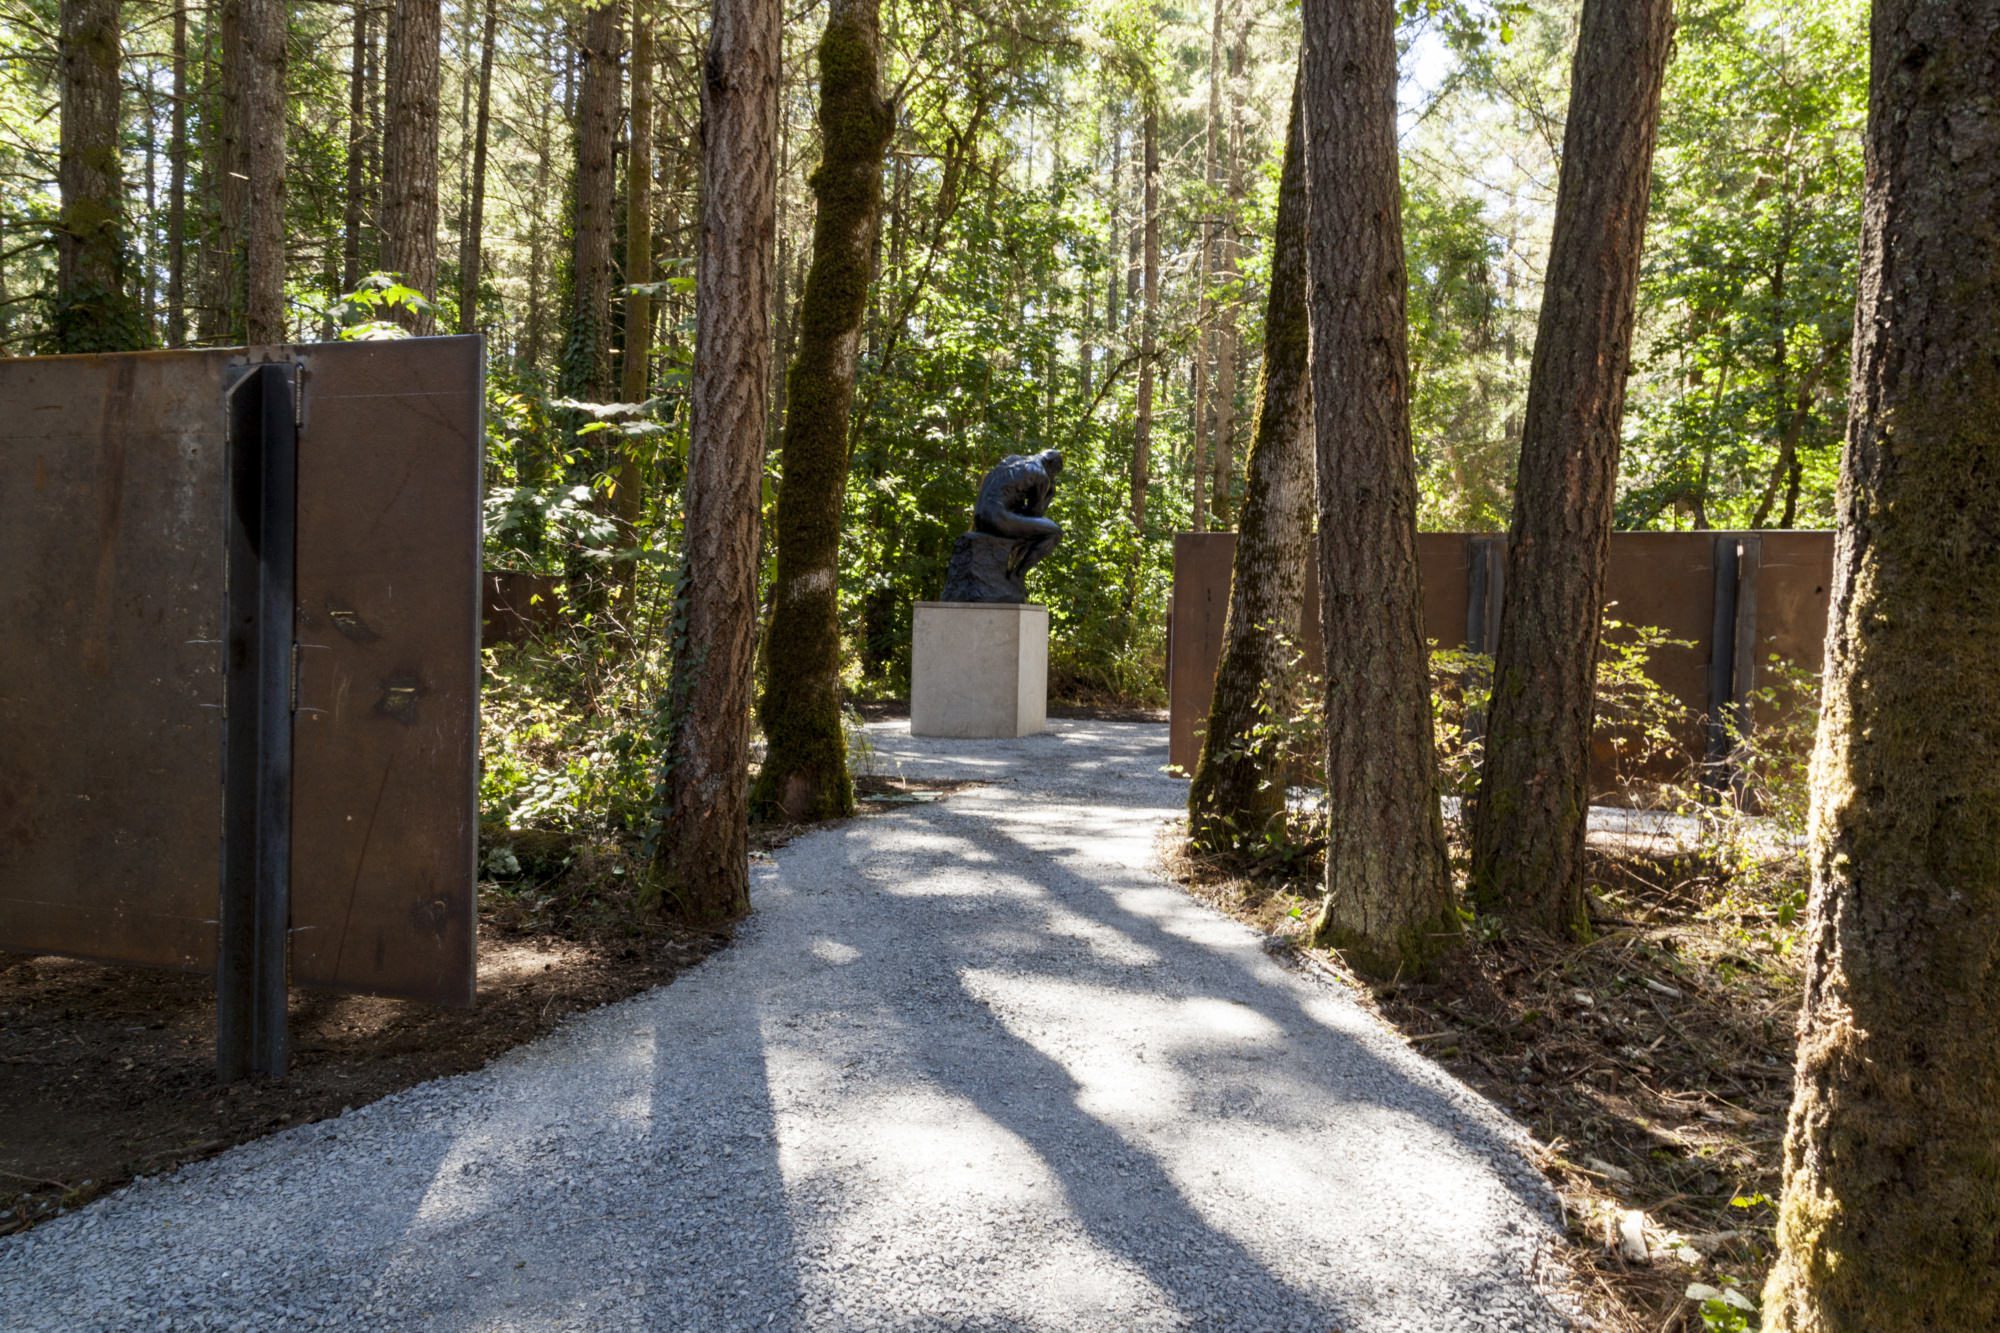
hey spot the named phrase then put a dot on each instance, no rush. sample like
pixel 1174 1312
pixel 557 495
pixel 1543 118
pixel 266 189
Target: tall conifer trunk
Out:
pixel 1534 796
pixel 410 154
pixel 354 206
pixel 1388 889
pixel 1237 788
pixel 472 237
pixel 805 763
pixel 251 258
pixel 585 372
pixel 1890 1221
pixel 701 855
pixel 636 352
pixel 176 324
pixel 94 308
pixel 1149 266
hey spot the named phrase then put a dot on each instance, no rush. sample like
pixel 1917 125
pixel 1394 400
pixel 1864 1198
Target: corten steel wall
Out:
pixel 114 494
pixel 1663 579
pixel 113 488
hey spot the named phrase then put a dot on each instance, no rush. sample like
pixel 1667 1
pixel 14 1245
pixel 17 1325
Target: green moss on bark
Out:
pixel 804 775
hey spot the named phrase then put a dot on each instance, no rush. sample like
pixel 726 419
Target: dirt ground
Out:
pixel 1653 1066
pixel 107 1073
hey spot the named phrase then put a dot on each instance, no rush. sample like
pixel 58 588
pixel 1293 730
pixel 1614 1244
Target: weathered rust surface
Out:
pixel 112 520
pixel 384 833
pixel 113 530
pixel 1660 579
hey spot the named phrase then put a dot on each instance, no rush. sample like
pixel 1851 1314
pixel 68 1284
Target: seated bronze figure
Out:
pixel 1009 534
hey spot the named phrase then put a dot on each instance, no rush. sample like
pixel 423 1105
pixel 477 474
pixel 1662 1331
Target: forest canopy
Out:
pixel 1010 307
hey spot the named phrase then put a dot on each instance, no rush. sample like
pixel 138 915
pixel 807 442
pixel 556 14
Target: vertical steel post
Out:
pixel 1732 656
pixel 250 1036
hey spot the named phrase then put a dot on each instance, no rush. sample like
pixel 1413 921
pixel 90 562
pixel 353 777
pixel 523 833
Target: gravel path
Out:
pixel 973 1065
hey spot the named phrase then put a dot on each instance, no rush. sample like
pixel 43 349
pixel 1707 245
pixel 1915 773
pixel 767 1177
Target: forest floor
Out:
pixel 107 1073
pixel 973 1064
pixel 1653 1065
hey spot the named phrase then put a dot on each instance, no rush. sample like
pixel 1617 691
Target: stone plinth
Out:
pixel 979 669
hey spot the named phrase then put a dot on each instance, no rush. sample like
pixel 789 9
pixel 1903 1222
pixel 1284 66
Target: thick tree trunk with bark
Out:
pixel 805 776
pixel 1534 794
pixel 94 310
pixel 410 154
pixel 251 268
pixel 472 238
pixel 1237 788
pixel 1388 903
pixel 1142 422
pixel 1890 1220
pixel 701 863
pixel 585 372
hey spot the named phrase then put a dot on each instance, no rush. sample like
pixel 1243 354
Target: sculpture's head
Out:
pixel 1051 461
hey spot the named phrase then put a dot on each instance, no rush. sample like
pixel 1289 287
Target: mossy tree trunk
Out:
pixel 585 369
pixel 1388 887
pixel 805 762
pixel 1534 795
pixel 410 155
pixel 94 310
pixel 1238 788
pixel 1890 1220
pixel 701 855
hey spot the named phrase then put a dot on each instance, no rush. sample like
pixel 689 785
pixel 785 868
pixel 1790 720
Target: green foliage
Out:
pixel 1740 393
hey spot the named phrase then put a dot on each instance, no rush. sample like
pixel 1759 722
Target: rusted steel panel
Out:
pixel 1660 579
pixel 385 745
pixel 112 508
pixel 1202 562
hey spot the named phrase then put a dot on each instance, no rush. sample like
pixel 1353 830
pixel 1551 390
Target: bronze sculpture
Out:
pixel 1010 535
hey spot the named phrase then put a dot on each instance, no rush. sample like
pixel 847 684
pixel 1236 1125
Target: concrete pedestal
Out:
pixel 979 669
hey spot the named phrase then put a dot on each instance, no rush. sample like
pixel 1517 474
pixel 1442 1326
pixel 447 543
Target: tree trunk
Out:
pixel 354 207
pixel 634 379
pixel 701 865
pixel 253 170
pixel 1227 338
pixel 472 237
pixel 176 329
pixel 410 154
pixel 537 331
pixel 1142 423
pixel 804 776
pixel 1534 796
pixel 586 354
pixel 1237 788
pixel 1890 1220
pixel 94 309
pixel 1388 903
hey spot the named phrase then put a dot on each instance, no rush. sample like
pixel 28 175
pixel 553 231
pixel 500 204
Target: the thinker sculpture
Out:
pixel 1009 535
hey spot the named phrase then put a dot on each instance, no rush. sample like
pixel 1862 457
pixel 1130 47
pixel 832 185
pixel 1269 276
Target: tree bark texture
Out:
pixel 176 324
pixel 94 309
pixel 252 252
pixel 410 154
pixel 472 240
pixel 354 205
pixel 586 354
pixel 805 776
pixel 1890 1220
pixel 702 861
pixel 1388 888
pixel 636 353
pixel 1228 337
pixel 1149 226
pixel 1238 788
pixel 1529 821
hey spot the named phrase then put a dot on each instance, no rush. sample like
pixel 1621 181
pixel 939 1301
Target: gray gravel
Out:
pixel 974 1065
